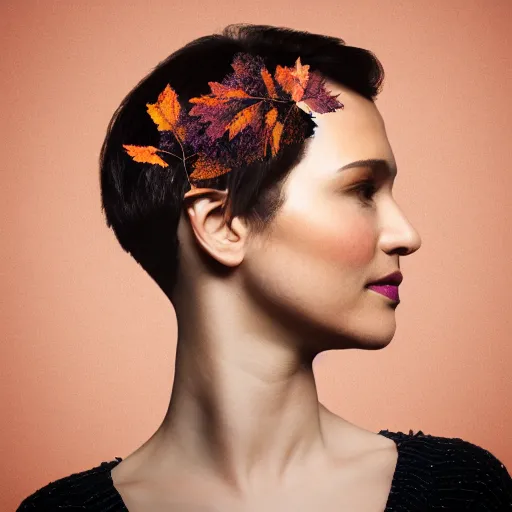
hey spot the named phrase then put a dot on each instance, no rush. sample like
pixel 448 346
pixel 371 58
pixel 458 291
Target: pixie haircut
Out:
pixel 143 203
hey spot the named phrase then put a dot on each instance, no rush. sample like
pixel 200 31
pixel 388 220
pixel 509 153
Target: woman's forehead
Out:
pixel 355 132
pixel 356 108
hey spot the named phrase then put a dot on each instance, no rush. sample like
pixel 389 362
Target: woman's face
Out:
pixel 332 237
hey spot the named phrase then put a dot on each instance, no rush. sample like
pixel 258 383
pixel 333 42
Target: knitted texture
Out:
pixel 432 473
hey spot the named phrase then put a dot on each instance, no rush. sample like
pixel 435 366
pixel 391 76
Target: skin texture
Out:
pixel 253 311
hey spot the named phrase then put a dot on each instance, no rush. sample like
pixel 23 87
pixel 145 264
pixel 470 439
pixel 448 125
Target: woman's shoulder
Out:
pixel 445 451
pixel 447 471
pixel 452 469
pixel 90 490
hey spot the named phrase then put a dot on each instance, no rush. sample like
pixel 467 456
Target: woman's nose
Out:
pixel 398 234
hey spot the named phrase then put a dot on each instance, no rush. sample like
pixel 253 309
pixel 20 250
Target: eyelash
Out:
pixel 366 185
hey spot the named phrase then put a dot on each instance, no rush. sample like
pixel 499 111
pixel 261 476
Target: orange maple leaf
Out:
pixel 226 108
pixel 166 112
pixel 269 83
pixel 270 121
pixel 233 105
pixel 206 168
pixel 293 80
pixel 145 154
pixel 208 101
pixel 223 91
pixel 301 73
pixel 243 118
pixel 276 137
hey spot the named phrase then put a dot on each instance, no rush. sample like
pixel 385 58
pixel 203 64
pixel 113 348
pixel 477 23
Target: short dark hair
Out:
pixel 142 203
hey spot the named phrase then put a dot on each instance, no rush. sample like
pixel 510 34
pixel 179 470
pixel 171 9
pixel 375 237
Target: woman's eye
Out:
pixel 366 189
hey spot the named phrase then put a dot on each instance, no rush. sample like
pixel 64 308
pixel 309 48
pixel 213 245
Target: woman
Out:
pixel 268 232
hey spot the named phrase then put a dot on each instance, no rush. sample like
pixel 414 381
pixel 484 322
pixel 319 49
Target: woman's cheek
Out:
pixel 354 245
pixel 350 243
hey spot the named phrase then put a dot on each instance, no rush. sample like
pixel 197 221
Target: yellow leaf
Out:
pixel 165 112
pixel 145 154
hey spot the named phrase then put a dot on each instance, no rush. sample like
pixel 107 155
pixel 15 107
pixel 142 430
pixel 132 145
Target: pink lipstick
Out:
pixel 389 290
pixel 388 285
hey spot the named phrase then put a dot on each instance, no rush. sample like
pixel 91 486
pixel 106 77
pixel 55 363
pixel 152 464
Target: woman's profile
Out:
pixel 251 176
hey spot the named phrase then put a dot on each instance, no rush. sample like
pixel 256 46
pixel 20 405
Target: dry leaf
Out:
pixel 293 80
pixel 166 112
pixel 205 168
pixel 145 154
pixel 244 118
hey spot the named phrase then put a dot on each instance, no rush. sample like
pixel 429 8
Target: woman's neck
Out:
pixel 244 410
pixel 244 406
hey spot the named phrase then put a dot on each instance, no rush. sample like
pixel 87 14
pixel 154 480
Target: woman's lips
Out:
pixel 389 290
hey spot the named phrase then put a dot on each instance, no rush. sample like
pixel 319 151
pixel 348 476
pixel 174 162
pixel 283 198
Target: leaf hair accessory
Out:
pixel 246 117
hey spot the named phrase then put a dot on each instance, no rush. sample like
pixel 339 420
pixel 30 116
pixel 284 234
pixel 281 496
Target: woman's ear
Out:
pixel 205 209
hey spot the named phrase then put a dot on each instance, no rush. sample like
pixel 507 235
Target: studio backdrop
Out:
pixel 88 339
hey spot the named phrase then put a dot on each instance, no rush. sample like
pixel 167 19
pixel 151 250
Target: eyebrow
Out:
pixel 374 164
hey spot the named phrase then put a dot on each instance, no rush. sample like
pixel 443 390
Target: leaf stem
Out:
pixel 184 161
pixel 183 158
pixel 169 153
pixel 177 156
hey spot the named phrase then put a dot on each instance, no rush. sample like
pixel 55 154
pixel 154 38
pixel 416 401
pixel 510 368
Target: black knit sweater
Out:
pixel 432 473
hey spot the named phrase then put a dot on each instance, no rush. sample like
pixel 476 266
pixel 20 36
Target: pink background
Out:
pixel 88 339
